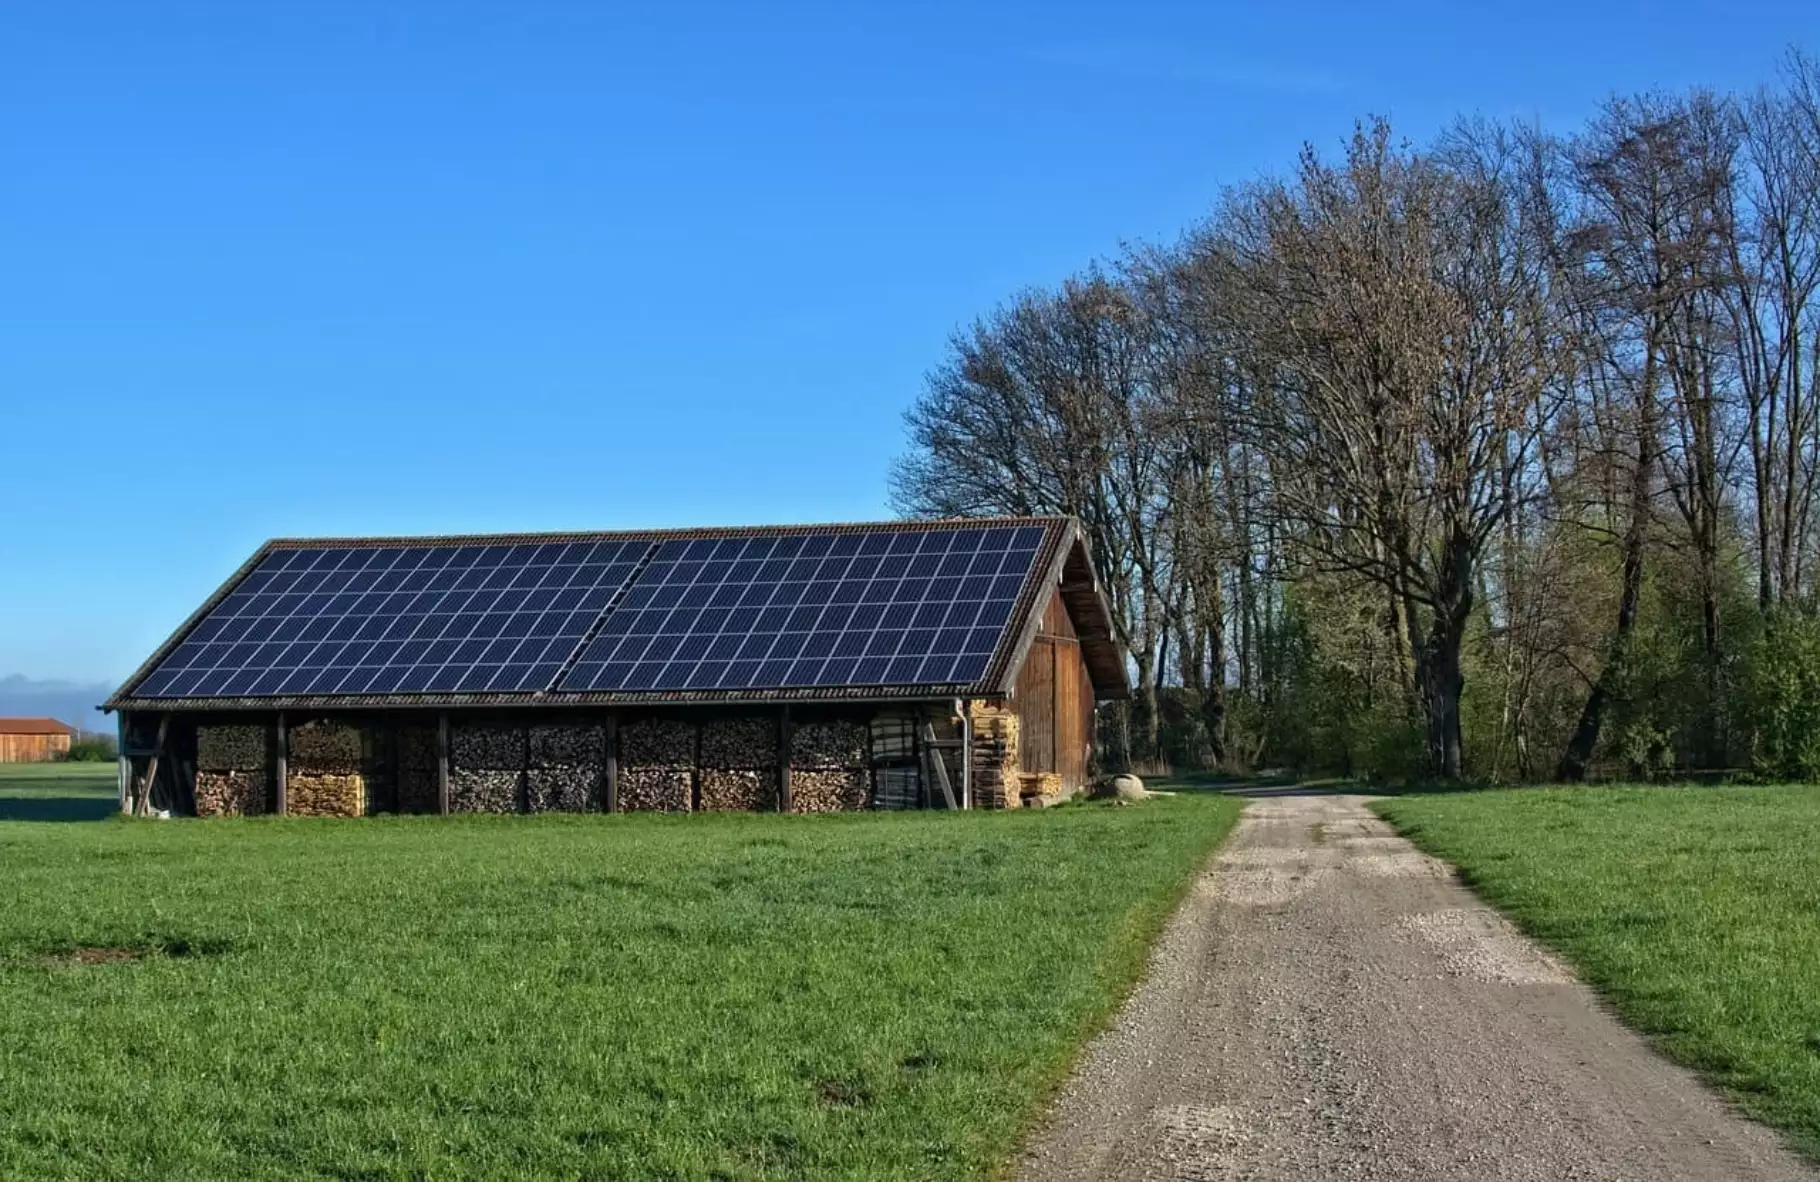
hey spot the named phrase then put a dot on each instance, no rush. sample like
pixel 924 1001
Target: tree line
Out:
pixel 1495 456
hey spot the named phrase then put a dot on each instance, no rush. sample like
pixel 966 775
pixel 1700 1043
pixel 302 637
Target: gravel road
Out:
pixel 1331 1003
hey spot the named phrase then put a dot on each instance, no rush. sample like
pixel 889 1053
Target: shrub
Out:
pixel 91 749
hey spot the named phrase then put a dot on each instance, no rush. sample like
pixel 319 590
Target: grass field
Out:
pixel 1696 911
pixel 57 791
pixel 872 996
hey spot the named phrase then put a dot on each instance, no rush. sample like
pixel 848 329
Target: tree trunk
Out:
pixel 1213 695
pixel 1577 758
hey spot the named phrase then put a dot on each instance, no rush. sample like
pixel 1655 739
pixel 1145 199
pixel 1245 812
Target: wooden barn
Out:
pixel 34 740
pixel 818 668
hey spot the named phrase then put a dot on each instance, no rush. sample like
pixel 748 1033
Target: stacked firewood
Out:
pixel 995 777
pixel 231 779
pixel 732 789
pixel 830 770
pixel 416 770
pixel 486 768
pixel 828 744
pixel 657 766
pixel 739 764
pixel 566 768
pixel 325 774
pixel 325 794
pixel 1039 786
pixel 829 790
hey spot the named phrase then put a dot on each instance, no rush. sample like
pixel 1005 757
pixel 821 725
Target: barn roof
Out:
pixel 34 726
pixel 865 611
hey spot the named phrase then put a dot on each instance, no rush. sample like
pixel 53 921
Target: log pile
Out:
pixel 325 794
pixel 738 770
pixel 830 790
pixel 828 745
pixel 231 794
pixel 655 789
pixel 486 768
pixel 657 766
pixel 657 742
pixel 739 742
pixel 325 774
pixel 231 779
pixel 739 789
pixel 416 771
pixel 230 748
pixel 326 744
pixel 1039 787
pixel 995 782
pixel 566 769
pixel 830 768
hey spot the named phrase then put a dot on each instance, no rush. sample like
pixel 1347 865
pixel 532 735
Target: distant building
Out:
pixel 33 740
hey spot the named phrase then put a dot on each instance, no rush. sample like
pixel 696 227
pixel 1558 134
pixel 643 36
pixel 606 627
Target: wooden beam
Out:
pixel 281 759
pixel 612 762
pixel 442 762
pixel 784 729
pixel 937 766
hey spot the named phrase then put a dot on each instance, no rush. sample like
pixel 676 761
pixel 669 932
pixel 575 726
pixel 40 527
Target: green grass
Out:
pixel 871 996
pixel 58 791
pixel 1695 911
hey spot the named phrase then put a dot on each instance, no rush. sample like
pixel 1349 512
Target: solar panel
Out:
pixel 892 607
pixel 474 618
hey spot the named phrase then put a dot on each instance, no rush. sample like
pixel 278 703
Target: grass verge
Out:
pixel 735 997
pixel 1695 911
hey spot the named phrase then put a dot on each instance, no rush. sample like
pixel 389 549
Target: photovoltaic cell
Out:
pixel 399 620
pixel 898 607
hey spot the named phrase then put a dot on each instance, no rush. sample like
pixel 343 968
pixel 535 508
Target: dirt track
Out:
pixel 1330 1003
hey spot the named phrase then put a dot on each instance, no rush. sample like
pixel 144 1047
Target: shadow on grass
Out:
pixel 1271 785
pixel 74 807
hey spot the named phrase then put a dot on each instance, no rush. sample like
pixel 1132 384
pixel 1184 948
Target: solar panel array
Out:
pixel 752 612
pixel 887 608
pixel 398 620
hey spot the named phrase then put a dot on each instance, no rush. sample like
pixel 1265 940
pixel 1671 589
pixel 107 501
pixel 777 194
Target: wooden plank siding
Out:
pixel 32 748
pixel 1054 701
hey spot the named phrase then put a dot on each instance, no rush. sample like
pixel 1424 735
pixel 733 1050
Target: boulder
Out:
pixel 1122 787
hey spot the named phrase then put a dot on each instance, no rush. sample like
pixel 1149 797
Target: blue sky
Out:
pixel 391 266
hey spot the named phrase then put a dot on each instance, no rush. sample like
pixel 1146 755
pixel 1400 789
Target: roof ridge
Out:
pixel 661 533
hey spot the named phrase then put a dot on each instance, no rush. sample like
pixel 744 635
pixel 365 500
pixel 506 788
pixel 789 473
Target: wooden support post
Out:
pixel 281 760
pixel 442 762
pixel 144 806
pixel 612 763
pixel 695 774
pixel 783 759
pixel 126 761
pixel 965 712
